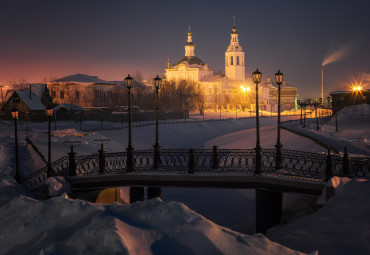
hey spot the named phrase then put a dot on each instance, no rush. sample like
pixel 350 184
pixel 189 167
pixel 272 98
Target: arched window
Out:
pixel 237 60
pixel 231 61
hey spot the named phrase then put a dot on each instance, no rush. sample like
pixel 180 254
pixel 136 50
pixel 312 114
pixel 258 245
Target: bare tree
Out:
pixel 138 76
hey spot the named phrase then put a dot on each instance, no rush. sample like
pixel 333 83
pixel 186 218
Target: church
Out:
pixel 231 89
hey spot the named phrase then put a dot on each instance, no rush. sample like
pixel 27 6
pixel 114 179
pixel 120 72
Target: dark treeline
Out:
pixel 180 96
pixel 173 96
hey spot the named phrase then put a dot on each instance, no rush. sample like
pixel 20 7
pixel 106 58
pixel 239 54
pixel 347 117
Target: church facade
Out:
pixel 231 89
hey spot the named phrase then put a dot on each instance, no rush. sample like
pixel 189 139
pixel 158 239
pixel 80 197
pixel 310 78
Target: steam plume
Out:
pixel 336 55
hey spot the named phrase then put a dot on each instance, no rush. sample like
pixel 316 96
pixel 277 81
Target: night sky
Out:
pixel 50 39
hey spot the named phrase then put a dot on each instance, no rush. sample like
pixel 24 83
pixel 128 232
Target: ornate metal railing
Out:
pixel 36 180
pixel 295 164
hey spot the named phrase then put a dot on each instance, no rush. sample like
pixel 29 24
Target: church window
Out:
pixel 77 94
pixel 231 61
pixel 237 60
pixel 53 94
pixel 62 94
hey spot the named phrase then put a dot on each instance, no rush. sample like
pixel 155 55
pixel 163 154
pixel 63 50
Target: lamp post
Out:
pixel 315 105
pixel 49 114
pixel 27 124
pixel 336 113
pixel 328 98
pixel 130 157
pixel 15 115
pixel 306 103
pixel 157 159
pixel 300 105
pixel 278 146
pixel 257 79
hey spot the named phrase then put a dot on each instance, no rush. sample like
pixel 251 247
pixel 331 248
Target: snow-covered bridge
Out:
pixel 301 172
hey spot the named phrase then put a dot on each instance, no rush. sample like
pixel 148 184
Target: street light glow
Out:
pixel 357 88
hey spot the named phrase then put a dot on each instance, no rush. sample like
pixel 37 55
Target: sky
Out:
pixel 43 39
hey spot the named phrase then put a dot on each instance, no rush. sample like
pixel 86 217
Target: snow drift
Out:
pixel 64 226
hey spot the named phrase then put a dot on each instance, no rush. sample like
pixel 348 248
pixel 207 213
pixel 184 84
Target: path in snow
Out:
pixel 268 135
pixel 235 208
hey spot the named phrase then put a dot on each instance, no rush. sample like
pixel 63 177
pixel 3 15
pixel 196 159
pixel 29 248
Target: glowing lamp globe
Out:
pixel 257 76
pixel 279 77
pixel 157 82
pixel 49 112
pixel 129 81
pixel 15 114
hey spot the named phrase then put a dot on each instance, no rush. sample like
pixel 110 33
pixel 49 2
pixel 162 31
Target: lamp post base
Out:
pixel 258 160
pixel 130 159
pixel 157 157
pixel 279 154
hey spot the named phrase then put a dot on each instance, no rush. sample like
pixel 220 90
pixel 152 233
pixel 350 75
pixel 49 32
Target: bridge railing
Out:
pixel 295 164
pixel 36 180
pixel 304 164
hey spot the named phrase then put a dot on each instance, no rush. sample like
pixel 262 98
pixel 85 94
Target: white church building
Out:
pixel 232 89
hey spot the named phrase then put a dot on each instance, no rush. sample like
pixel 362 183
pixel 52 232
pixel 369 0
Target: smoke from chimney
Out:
pixel 334 56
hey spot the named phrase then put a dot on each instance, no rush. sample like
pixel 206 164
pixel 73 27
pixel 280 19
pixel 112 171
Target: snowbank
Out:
pixel 353 130
pixel 64 226
pixel 10 189
pixel 57 185
pixel 340 227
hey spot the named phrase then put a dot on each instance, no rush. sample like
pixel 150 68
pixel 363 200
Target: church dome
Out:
pixel 193 60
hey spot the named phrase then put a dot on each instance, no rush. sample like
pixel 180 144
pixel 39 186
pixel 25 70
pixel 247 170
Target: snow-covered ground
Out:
pixel 342 226
pixel 353 130
pixel 61 225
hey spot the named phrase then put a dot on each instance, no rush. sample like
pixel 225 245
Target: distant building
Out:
pixel 232 89
pixel 348 97
pixel 31 97
pixel 189 67
pixel 23 101
pixel 288 95
pixel 90 91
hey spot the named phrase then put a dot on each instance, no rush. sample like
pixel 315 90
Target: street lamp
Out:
pixel 15 115
pixel 257 79
pixel 27 124
pixel 49 114
pixel 315 105
pixel 332 111
pixel 130 159
pixel 328 98
pixel 300 104
pixel 278 146
pixel 157 160
pixel 305 113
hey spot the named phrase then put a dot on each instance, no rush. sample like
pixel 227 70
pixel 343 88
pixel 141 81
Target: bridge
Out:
pixel 301 172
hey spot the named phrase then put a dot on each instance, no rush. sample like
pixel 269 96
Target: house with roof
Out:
pixel 91 91
pixel 348 97
pixel 24 101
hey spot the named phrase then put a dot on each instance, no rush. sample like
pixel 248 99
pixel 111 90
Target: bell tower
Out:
pixel 189 46
pixel 234 58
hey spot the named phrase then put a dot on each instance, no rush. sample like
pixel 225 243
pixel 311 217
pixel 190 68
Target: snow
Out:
pixel 191 225
pixel 353 130
pixel 57 185
pixel 64 226
pixel 342 226
pixel 34 103
pixel 68 107
pixel 81 78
